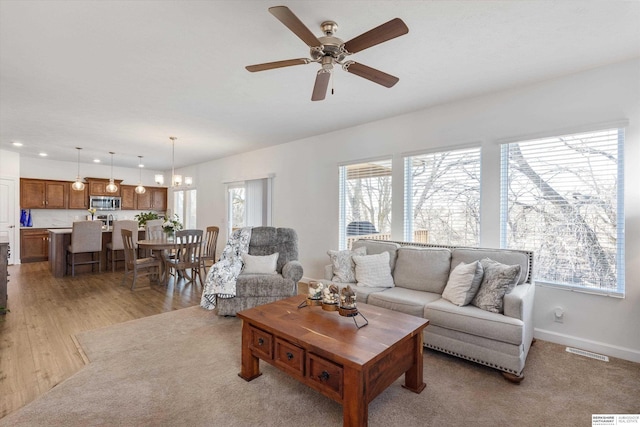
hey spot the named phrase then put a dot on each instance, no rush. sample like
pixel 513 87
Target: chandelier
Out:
pixel 176 180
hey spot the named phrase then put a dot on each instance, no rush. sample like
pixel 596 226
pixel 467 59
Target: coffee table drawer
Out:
pixel 261 343
pixel 325 374
pixel 289 357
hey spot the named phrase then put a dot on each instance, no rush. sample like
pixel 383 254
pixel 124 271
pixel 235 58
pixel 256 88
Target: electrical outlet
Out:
pixel 558 315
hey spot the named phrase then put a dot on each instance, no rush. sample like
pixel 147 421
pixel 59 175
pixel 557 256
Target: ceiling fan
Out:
pixel 329 50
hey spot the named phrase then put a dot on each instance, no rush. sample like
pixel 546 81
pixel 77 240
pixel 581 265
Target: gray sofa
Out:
pixel 420 273
pixel 257 289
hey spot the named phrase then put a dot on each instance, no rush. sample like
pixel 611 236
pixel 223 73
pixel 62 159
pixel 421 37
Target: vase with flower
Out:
pixel 92 211
pixel 171 225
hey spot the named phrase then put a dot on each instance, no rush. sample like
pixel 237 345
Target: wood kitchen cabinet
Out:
pixel 34 245
pixel 98 187
pixel 78 199
pixel 155 199
pixel 128 195
pixel 42 194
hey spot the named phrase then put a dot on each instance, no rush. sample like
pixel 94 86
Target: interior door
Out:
pixel 8 214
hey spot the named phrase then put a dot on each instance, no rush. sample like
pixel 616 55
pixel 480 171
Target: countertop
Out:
pixel 68 230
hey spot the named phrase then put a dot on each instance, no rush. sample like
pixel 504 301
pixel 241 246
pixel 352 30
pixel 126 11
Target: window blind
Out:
pixel 563 198
pixel 442 197
pixel 365 201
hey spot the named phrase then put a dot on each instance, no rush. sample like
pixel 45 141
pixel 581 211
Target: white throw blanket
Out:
pixel 222 276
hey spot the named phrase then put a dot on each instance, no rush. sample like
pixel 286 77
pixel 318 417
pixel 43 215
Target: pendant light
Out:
pixel 78 185
pixel 140 189
pixel 111 187
pixel 176 180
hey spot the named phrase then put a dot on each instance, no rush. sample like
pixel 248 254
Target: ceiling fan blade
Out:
pixel 320 88
pixel 376 76
pixel 291 21
pixel 387 31
pixel 276 64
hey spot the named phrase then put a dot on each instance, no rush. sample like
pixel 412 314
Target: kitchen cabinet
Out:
pixel 42 194
pixel 98 187
pixel 155 199
pixel 34 245
pixel 78 199
pixel 128 195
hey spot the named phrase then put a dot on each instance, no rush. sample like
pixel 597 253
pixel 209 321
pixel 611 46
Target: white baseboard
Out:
pixel 594 346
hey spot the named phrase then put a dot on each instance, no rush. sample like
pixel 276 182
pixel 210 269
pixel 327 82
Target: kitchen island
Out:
pixel 59 241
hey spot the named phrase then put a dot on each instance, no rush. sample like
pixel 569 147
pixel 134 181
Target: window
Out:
pixel 249 203
pixel 562 197
pixel 184 205
pixel 442 197
pixel 365 201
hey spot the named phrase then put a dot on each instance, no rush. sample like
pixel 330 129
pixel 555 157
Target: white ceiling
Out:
pixel 123 76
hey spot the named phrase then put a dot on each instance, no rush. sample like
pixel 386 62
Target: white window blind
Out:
pixel 442 197
pixel 184 205
pixel 249 203
pixel 562 197
pixel 365 201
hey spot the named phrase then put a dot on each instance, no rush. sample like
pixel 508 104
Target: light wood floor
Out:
pixel 37 350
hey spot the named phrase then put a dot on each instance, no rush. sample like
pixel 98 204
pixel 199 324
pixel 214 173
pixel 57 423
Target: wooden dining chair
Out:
pixel 187 256
pixel 132 264
pixel 209 248
pixel 86 237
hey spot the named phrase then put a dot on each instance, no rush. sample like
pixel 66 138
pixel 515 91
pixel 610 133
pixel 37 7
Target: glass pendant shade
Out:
pixel 111 187
pixel 78 185
pixel 140 189
pixel 159 179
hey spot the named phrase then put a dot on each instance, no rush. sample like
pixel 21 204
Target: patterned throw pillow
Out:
pixel 343 266
pixel 463 283
pixel 373 270
pixel 499 279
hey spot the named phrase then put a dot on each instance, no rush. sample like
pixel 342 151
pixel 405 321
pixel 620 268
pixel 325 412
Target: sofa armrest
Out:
pixel 519 302
pixel 328 272
pixel 293 271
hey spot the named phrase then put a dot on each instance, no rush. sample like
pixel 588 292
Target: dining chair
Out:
pixel 86 237
pixel 116 243
pixel 209 248
pixel 132 264
pixel 187 256
pixel 153 229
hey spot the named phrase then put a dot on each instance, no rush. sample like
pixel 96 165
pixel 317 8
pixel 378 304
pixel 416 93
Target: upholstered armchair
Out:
pixel 257 289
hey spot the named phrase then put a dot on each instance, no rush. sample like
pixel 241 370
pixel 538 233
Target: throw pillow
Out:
pixel 373 270
pixel 254 264
pixel 499 279
pixel 463 283
pixel 343 266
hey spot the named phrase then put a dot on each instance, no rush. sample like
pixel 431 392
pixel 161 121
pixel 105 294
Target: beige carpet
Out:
pixel 180 369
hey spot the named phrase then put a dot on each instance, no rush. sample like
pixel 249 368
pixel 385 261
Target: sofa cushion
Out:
pixel 498 280
pixel 377 247
pixel 422 269
pixel 363 292
pixel 504 256
pixel 373 270
pixel 255 264
pixel 407 301
pixel 343 266
pixel 475 321
pixel 463 283
pixel 261 285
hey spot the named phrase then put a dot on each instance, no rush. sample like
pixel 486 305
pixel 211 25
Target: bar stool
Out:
pixel 86 237
pixel 116 243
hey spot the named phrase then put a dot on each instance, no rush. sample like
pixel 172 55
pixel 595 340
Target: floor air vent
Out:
pixel 587 354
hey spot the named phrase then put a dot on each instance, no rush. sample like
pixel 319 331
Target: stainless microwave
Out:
pixel 105 203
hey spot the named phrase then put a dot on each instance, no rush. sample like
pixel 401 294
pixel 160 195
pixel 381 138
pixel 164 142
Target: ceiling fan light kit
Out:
pixel 328 50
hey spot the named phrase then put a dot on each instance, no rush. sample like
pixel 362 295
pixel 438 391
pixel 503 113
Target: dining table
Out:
pixel 158 248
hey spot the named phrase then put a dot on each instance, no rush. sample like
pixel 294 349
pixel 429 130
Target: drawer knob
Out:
pixel 260 341
pixel 324 376
pixel 289 355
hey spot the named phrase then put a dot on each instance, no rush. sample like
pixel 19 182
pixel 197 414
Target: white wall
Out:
pixel 306 183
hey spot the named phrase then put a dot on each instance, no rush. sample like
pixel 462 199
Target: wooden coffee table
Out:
pixel 330 354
